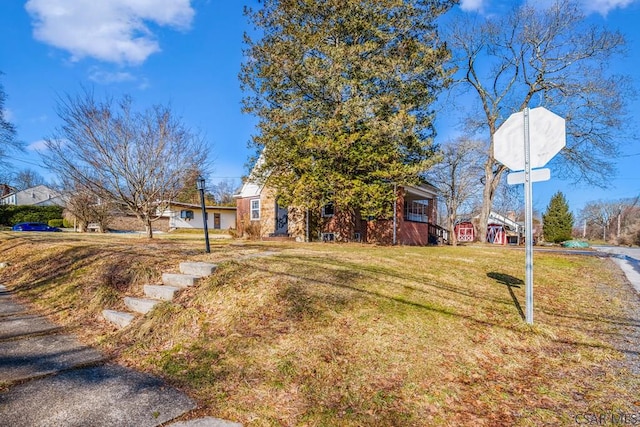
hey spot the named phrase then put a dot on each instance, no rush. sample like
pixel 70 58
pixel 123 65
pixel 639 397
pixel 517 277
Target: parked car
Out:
pixel 34 226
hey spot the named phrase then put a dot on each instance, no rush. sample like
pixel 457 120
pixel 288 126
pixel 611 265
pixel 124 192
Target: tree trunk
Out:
pixel 453 239
pixel 147 227
pixel 492 179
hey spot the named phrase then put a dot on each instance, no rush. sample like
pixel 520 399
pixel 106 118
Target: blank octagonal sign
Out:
pixel 546 136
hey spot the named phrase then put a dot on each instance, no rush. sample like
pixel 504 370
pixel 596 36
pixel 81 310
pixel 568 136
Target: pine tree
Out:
pixel 557 221
pixel 342 90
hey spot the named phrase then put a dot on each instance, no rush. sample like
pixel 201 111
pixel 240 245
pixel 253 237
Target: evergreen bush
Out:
pixel 557 222
pixel 11 214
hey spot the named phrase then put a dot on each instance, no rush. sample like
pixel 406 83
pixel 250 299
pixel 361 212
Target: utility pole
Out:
pixel 619 215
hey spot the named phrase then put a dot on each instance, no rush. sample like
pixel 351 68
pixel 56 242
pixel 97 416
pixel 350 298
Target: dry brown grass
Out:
pixel 354 335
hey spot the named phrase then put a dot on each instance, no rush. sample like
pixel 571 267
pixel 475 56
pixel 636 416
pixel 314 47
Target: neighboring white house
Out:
pixel 187 215
pixel 40 195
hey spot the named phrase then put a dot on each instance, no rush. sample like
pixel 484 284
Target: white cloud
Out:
pixel 109 30
pixel 38 146
pixel 106 77
pixel 8 115
pixel 603 7
pixel 144 84
pixel 39 119
pixel 472 5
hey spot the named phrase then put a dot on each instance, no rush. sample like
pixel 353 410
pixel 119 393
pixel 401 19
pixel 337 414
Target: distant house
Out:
pixel 187 215
pixel 5 190
pixel 501 230
pixel 40 195
pixel 414 223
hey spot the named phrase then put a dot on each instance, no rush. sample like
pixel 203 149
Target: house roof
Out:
pixel 196 206
pixel 40 195
pixel 424 190
pixel 6 189
pixel 250 186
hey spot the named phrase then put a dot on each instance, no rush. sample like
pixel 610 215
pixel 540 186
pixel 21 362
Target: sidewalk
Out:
pixel 48 378
pixel 628 259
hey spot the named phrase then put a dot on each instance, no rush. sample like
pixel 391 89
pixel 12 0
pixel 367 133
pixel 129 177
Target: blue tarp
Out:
pixel 575 244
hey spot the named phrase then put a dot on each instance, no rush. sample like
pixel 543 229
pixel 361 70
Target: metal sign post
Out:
pixel 528 220
pixel 543 135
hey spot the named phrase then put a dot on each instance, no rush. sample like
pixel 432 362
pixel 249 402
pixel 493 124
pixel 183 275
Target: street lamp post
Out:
pixel 395 213
pixel 200 186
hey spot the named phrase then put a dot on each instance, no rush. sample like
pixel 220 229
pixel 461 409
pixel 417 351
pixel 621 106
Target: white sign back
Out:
pixel 547 137
pixel 537 175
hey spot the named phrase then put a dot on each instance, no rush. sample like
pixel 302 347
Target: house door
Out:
pixel 282 220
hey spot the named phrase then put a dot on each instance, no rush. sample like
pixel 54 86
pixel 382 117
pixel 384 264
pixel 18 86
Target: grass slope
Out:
pixel 353 335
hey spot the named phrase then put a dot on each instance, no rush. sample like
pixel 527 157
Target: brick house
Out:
pixel 259 215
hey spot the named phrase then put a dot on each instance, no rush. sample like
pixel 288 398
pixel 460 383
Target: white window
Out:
pixel 255 210
pixel 328 210
pixel 416 210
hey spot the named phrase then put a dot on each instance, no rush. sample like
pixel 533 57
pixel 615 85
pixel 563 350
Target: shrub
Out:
pixel 233 233
pixel 252 229
pixel 56 222
pixel 11 215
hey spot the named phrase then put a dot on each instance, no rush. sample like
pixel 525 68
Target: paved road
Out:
pixel 628 259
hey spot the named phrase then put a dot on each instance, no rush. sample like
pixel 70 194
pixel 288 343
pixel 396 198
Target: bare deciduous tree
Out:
pixel 610 220
pixel 86 208
pixel 223 192
pixel 28 178
pixel 599 216
pixel 544 57
pixel 8 139
pixel 457 177
pixel 136 160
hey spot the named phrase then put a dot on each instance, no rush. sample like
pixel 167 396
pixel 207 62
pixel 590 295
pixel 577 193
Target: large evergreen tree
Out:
pixel 342 90
pixel 557 220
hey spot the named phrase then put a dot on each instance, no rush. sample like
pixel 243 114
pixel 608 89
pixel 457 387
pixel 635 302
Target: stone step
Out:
pixel 179 280
pixel 161 292
pixel 201 269
pixel 140 305
pixel 118 318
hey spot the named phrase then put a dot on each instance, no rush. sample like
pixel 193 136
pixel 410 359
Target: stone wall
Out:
pixel 267 212
pixel 297 226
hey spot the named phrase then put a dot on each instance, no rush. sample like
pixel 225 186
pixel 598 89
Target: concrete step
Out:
pixel 140 305
pixel 201 269
pixel 161 292
pixel 179 280
pixel 118 318
pixel 205 422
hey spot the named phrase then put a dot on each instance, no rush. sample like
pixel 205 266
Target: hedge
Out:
pixel 11 215
pixel 56 222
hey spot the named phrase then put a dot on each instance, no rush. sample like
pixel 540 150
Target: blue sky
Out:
pixel 188 53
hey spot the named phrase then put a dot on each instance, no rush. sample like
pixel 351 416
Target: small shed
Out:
pixel 465 231
pixel 496 234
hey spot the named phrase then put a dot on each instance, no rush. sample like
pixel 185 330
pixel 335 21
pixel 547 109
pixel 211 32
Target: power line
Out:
pixel 24 161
